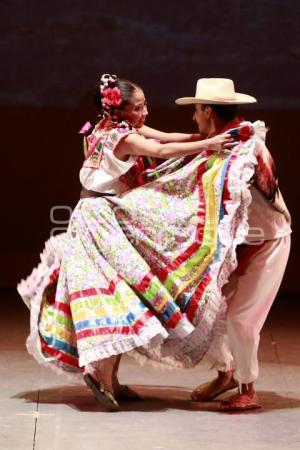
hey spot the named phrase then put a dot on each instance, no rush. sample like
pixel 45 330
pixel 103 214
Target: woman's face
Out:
pixel 136 111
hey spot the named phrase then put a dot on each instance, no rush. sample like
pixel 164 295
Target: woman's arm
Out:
pixel 134 144
pixel 152 133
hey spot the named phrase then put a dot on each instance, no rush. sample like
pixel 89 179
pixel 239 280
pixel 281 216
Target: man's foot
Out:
pixel 208 391
pixel 104 397
pixel 241 401
pixel 124 392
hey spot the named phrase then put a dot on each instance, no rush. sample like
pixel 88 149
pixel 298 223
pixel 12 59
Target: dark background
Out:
pixel 52 54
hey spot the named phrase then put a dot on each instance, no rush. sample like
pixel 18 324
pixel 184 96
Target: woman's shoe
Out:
pixel 104 397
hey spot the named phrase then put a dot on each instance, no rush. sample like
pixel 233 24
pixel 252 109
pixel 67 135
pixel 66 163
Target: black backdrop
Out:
pixel 53 52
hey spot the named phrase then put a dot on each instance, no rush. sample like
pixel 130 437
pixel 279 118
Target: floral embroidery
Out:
pixel 108 137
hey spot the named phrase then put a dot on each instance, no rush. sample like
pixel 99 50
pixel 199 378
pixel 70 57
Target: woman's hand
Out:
pixel 221 142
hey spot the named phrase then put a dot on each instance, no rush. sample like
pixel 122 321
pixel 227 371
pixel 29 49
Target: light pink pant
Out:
pixel 250 295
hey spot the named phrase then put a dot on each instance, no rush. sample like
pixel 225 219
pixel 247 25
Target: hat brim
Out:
pixel 240 99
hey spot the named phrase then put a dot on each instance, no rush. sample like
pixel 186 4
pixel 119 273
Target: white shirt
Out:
pixel 265 222
pixel 106 177
pixel 102 170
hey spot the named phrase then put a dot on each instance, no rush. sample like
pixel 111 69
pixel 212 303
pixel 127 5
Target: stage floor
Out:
pixel 44 411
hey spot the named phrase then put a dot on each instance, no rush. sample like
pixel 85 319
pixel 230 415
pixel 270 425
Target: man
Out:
pixel 262 259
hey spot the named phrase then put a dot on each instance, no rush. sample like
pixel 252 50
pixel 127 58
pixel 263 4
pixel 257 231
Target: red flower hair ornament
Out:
pixel 111 96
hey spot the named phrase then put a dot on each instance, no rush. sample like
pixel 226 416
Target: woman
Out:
pixel 108 300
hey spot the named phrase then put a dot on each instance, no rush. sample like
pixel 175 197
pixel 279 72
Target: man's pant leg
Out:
pixel 250 295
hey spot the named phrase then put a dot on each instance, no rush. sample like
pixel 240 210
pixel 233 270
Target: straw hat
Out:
pixel 216 91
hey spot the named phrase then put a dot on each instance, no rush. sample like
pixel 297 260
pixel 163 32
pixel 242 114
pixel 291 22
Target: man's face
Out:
pixel 202 118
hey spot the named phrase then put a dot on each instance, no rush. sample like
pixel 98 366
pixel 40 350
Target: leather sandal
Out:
pixel 104 397
pixel 240 402
pixel 208 391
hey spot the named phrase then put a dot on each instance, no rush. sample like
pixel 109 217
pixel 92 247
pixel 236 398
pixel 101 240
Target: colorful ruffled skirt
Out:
pixel 143 273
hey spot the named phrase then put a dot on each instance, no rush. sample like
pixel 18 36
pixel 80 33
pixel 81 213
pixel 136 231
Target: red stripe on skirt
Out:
pixel 94 291
pixel 226 194
pixel 194 302
pixel 126 330
pixel 57 354
pixel 143 285
pixel 165 271
pixel 64 307
pixel 175 319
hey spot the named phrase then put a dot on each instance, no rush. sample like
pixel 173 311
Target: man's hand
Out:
pixel 222 143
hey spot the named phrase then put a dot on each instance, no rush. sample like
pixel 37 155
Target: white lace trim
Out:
pixel 183 328
pixel 152 335
pixel 241 172
pixel 31 290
